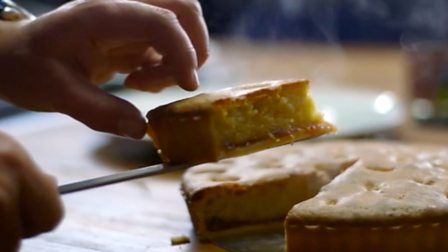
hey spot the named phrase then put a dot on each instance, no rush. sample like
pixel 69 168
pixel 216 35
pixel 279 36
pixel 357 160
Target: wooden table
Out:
pixel 143 215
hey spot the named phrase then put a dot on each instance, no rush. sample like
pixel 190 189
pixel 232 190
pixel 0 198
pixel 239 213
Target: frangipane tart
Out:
pixel 332 196
pixel 393 198
pixel 255 192
pixel 235 121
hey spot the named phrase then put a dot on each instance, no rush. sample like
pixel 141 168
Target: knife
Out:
pixel 121 177
pixel 272 241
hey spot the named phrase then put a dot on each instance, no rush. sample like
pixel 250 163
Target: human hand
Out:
pixel 54 62
pixel 29 201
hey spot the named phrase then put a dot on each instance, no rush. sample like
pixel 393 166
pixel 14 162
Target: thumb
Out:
pixel 100 110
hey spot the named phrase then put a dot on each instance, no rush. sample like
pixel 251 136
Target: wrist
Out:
pixel 12 19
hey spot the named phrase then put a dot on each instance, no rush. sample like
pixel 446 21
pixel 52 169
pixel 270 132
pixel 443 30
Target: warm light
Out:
pixel 384 103
pixel 329 115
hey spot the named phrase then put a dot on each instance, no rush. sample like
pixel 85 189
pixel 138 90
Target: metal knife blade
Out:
pixel 120 177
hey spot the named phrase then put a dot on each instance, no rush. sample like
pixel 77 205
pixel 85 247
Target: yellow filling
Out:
pixel 283 114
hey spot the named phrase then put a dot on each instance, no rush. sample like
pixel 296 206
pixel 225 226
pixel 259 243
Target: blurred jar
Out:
pixel 428 77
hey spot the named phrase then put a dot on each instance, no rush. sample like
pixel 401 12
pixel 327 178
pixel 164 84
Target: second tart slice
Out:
pixel 255 192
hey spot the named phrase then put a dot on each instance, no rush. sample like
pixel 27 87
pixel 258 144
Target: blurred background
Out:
pixel 314 20
pixel 389 57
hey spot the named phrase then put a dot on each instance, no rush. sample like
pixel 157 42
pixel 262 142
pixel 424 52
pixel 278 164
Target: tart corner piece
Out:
pixel 253 193
pixel 393 198
pixel 235 121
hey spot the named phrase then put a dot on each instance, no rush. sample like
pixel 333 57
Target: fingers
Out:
pixel 40 206
pixel 125 22
pixel 175 29
pixel 29 201
pixel 160 77
pixel 189 14
pixel 10 227
pixel 98 109
pixel 127 58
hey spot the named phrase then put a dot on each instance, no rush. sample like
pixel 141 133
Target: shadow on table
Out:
pixel 127 153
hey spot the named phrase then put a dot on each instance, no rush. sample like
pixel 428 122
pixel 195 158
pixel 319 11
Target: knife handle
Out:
pixel 119 177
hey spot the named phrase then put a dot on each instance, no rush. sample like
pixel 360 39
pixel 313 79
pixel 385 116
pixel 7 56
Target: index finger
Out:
pixel 115 23
pixel 31 193
pixel 189 13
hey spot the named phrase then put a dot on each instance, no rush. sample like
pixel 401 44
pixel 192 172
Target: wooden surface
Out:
pixel 144 214
pixel 141 215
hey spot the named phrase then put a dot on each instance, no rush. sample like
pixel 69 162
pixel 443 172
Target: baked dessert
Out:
pixel 235 121
pixel 394 198
pixel 380 196
pixel 255 192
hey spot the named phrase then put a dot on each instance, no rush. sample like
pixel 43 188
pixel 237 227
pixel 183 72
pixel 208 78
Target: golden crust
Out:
pixel 419 237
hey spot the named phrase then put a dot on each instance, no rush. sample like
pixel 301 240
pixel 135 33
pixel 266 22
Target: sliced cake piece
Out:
pixel 394 198
pixel 255 192
pixel 235 121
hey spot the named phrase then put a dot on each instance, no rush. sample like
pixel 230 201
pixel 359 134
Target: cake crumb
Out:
pixel 178 240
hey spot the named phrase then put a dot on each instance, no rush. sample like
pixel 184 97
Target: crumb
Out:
pixel 178 240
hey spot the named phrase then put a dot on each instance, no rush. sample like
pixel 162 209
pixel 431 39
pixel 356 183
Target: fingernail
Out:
pixel 195 81
pixel 196 78
pixel 131 128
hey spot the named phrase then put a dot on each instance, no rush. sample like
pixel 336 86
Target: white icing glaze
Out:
pixel 388 181
pixel 236 92
pixel 273 164
pixel 382 180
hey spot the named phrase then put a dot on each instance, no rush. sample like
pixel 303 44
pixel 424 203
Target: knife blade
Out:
pixel 120 177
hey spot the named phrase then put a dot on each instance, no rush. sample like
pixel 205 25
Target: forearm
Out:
pixel 12 40
pixel 12 17
pixel 12 44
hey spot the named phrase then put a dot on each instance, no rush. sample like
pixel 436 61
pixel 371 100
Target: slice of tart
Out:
pixel 393 198
pixel 255 192
pixel 235 121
